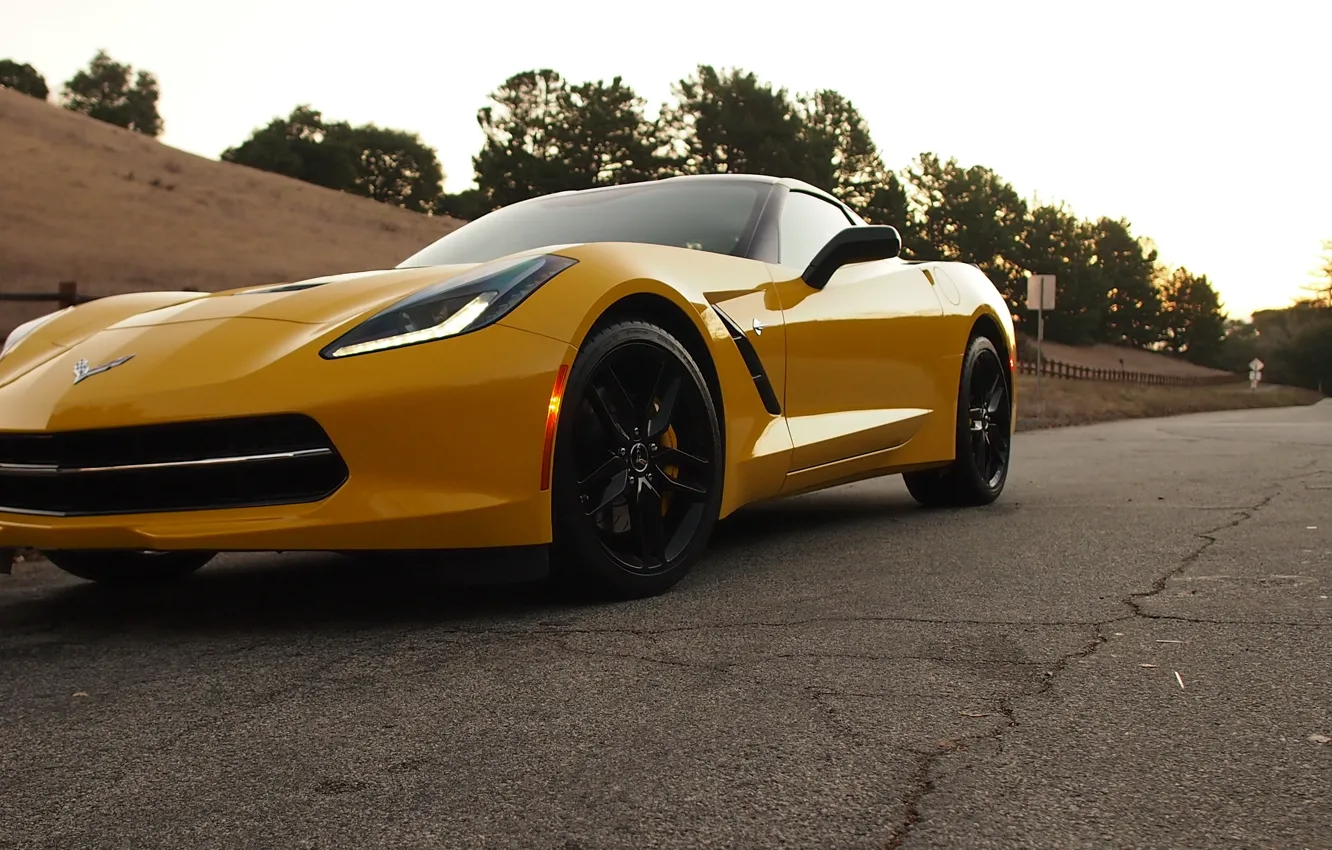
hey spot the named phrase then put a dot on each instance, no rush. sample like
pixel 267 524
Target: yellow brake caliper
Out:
pixel 669 441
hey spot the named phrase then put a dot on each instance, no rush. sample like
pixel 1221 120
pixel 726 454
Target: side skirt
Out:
pixel 859 468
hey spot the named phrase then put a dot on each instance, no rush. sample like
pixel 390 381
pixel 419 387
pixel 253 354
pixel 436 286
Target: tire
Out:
pixel 127 566
pixel 638 465
pixel 983 442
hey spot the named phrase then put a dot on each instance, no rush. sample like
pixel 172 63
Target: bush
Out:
pixel 1306 361
pixel 23 78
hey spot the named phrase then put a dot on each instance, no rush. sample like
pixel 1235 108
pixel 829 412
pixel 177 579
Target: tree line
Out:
pixel 544 133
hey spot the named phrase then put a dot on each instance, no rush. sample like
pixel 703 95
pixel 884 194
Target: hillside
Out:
pixel 116 211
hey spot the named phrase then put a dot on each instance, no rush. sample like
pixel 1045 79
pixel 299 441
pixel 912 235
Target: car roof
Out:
pixel 789 182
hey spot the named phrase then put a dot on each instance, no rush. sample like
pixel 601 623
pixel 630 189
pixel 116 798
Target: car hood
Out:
pixel 307 307
pixel 316 301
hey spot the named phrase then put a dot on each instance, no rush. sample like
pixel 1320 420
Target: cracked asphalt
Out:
pixel 1132 648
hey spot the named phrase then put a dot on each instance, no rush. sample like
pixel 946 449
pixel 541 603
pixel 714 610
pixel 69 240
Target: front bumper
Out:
pixel 443 442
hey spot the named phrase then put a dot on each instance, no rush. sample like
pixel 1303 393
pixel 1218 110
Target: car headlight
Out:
pixel 26 330
pixel 462 304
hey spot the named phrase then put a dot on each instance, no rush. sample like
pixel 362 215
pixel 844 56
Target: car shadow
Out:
pixel 832 512
pixel 309 592
pixel 272 592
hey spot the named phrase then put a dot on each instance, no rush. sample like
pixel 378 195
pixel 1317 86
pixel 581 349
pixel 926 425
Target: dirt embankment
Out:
pixel 117 211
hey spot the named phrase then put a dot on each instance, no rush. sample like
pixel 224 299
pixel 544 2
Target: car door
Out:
pixel 860 351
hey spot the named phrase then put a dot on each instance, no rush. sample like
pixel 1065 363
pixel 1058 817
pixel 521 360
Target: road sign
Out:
pixel 1040 297
pixel 1041 292
pixel 1255 373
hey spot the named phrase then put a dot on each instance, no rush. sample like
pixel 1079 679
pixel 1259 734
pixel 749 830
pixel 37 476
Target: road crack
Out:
pixel 1134 600
pixel 1206 621
pixel 727 665
pixel 548 629
pixel 923 782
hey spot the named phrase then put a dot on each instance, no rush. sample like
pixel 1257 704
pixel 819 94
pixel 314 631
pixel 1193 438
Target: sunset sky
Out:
pixel 1203 124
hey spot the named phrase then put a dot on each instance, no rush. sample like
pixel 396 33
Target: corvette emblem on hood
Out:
pixel 82 370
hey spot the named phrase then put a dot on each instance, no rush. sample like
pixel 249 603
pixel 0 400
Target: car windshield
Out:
pixel 706 215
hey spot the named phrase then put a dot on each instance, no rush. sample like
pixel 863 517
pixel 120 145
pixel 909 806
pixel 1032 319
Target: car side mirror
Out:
pixel 853 245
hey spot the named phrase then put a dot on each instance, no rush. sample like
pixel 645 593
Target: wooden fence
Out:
pixel 1057 369
pixel 66 295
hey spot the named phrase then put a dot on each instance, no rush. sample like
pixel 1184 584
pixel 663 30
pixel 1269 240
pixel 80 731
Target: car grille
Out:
pixel 184 466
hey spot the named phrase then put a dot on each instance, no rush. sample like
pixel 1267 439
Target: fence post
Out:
pixel 69 293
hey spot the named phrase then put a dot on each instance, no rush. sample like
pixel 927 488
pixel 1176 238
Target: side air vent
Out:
pixel 751 358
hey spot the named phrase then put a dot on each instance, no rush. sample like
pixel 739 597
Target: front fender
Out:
pixel 569 306
pixel 758 443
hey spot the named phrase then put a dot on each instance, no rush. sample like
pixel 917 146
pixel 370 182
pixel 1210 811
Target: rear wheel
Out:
pixel 127 566
pixel 984 436
pixel 638 465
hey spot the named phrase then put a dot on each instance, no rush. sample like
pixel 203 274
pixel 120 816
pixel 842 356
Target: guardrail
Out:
pixel 1057 369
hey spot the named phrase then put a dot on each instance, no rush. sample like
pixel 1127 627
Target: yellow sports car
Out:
pixel 588 380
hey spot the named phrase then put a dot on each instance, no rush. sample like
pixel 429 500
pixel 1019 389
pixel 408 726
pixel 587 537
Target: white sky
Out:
pixel 1203 123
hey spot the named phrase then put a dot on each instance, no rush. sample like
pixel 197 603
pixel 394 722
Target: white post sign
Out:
pixel 1041 292
pixel 1040 297
pixel 1255 373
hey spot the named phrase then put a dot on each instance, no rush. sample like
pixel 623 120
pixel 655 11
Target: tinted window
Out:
pixel 705 215
pixel 807 224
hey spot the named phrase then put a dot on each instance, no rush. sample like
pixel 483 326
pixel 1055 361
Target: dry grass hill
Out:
pixel 116 211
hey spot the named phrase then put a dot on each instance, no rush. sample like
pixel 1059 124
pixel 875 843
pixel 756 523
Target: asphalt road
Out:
pixel 845 671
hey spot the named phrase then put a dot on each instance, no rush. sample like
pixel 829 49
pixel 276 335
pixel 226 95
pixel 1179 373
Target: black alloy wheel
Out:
pixel 984 436
pixel 989 418
pixel 638 465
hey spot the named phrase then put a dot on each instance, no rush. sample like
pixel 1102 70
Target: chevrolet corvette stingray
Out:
pixel 588 379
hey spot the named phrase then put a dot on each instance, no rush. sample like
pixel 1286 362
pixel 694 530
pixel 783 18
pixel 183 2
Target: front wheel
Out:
pixel 638 463
pixel 127 566
pixel 984 436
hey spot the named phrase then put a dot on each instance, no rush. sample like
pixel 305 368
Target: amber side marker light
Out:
pixel 552 420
